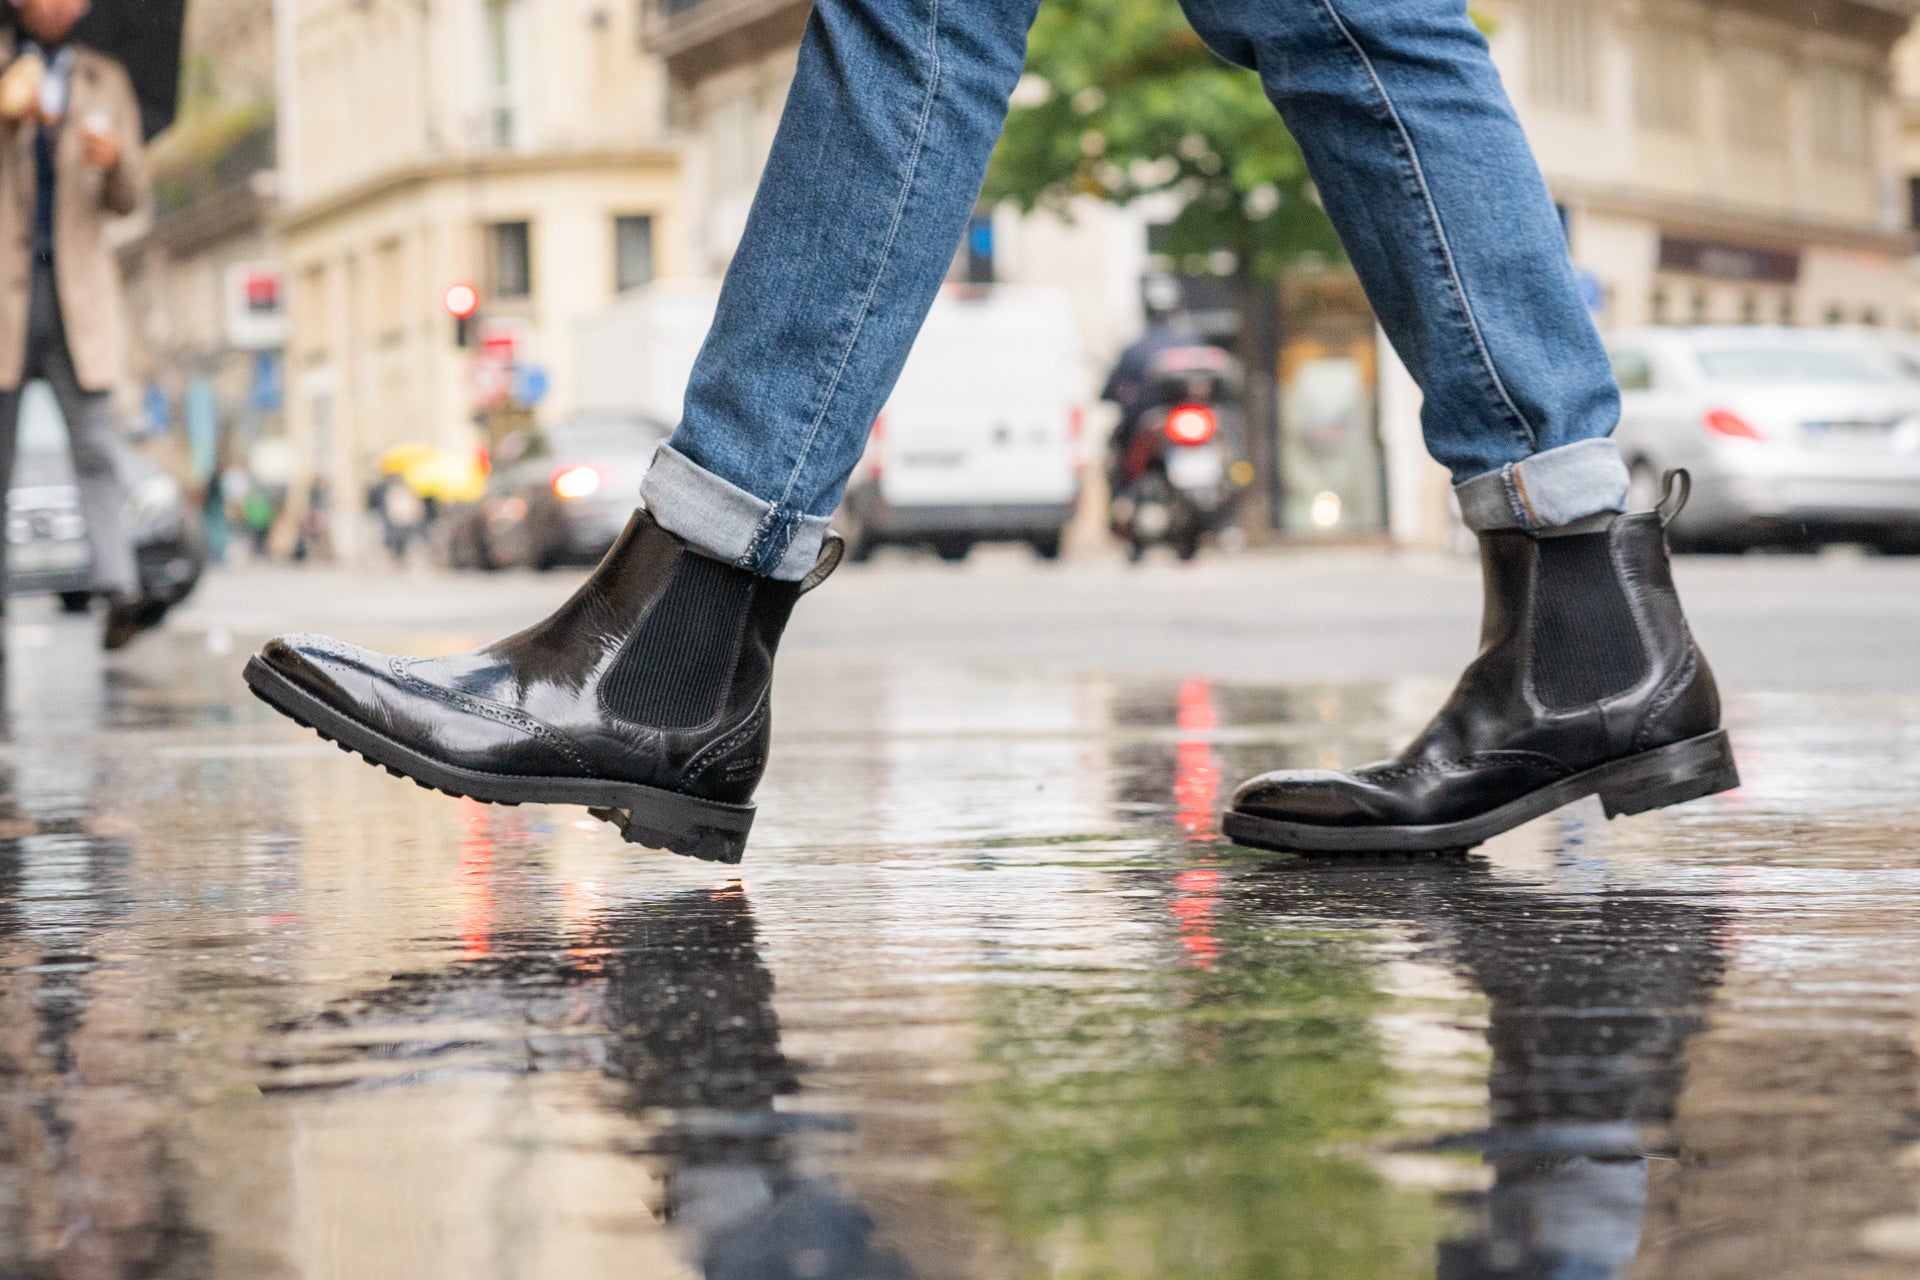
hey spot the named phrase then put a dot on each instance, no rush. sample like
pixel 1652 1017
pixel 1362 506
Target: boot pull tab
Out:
pixel 832 549
pixel 1679 487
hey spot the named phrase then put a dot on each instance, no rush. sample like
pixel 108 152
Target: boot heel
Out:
pixel 706 842
pixel 1689 770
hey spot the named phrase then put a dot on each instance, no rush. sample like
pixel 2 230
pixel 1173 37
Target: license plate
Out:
pixel 1196 468
pixel 48 557
pixel 1851 435
pixel 932 461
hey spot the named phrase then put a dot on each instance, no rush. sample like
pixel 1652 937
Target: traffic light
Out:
pixel 463 304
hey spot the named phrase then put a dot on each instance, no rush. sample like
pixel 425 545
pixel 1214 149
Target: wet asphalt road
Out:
pixel 990 998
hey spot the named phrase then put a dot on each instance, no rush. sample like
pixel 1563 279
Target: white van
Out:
pixel 981 441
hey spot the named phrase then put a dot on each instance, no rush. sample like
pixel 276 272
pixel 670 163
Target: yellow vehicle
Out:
pixel 446 476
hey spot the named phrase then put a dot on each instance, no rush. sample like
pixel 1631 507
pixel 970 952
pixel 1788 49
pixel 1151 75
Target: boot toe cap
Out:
pixel 1316 796
pixel 342 675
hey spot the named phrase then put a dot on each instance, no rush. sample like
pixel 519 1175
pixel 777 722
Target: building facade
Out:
pixel 1720 161
pixel 517 146
pixel 202 265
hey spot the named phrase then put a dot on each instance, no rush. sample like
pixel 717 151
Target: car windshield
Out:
pixel 1781 363
pixel 605 437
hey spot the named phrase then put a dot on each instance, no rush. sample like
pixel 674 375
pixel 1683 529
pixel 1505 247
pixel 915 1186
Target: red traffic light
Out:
pixel 462 300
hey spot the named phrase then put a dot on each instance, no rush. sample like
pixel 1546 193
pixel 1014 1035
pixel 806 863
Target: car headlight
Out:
pixel 154 506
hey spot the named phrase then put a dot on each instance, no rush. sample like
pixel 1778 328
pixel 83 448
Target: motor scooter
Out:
pixel 1178 476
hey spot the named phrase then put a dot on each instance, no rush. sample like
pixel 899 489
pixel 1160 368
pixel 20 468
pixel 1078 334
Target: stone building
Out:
pixel 516 146
pixel 1720 161
pixel 202 266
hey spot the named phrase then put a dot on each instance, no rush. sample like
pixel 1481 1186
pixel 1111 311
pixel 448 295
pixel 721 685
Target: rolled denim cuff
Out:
pixel 1549 491
pixel 722 520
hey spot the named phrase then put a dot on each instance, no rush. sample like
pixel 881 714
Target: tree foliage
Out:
pixel 1122 101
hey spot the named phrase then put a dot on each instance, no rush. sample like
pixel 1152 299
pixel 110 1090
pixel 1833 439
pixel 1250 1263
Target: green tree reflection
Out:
pixel 1210 1123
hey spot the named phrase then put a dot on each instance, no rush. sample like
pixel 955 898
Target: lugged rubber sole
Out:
pixel 1670 775
pixel 687 825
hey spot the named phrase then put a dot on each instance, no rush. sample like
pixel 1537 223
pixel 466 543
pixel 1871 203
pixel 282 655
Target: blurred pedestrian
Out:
pixel 257 512
pixel 645 696
pixel 213 517
pixel 402 515
pixel 71 159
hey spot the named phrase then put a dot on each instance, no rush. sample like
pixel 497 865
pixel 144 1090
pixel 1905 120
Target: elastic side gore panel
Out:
pixel 674 671
pixel 1585 645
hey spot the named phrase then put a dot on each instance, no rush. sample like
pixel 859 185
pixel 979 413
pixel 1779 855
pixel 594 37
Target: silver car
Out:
pixel 1794 437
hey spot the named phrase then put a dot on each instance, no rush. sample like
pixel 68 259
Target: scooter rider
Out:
pixel 1128 386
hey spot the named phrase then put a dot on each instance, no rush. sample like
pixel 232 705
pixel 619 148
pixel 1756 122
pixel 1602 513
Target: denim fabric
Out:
pixel 1550 491
pixel 680 495
pixel 879 157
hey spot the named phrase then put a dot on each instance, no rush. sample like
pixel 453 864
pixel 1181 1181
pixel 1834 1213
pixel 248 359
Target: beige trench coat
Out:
pixel 92 301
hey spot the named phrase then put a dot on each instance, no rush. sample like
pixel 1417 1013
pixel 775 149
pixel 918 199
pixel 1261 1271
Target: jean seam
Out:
pixel 1523 506
pixel 1530 435
pixel 886 252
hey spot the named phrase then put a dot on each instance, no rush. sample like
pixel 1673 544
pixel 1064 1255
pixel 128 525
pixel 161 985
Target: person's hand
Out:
pixel 98 145
pixel 20 87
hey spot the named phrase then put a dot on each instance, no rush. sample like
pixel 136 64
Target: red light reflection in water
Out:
pixel 1194 904
pixel 476 887
pixel 1196 775
pixel 1196 796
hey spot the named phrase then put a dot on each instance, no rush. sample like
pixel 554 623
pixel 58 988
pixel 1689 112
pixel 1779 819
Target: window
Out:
pixel 1913 203
pixel 506 36
pixel 1666 88
pixel 1563 55
pixel 1632 369
pixel 1842 114
pixel 632 251
pixel 510 259
pixel 1756 81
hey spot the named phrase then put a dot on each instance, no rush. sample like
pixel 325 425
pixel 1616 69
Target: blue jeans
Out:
pixel 878 161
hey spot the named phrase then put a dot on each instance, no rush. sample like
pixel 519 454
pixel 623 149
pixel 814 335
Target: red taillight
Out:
pixel 1732 426
pixel 874 459
pixel 483 457
pixel 570 483
pixel 1191 424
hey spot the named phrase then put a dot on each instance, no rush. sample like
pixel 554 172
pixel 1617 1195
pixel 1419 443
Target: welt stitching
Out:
pixel 402 669
pixel 1425 191
pixel 886 251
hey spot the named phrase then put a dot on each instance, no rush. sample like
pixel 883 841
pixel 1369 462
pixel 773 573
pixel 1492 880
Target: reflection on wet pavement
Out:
pixel 991 1000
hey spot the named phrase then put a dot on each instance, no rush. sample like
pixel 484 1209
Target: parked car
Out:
pixel 1794 437
pixel 47 547
pixel 558 495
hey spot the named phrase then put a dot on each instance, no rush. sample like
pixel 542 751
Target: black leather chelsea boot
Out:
pixel 1588 682
pixel 645 698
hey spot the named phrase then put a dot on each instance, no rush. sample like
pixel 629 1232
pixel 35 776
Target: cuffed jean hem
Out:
pixel 1549 491
pixel 722 520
